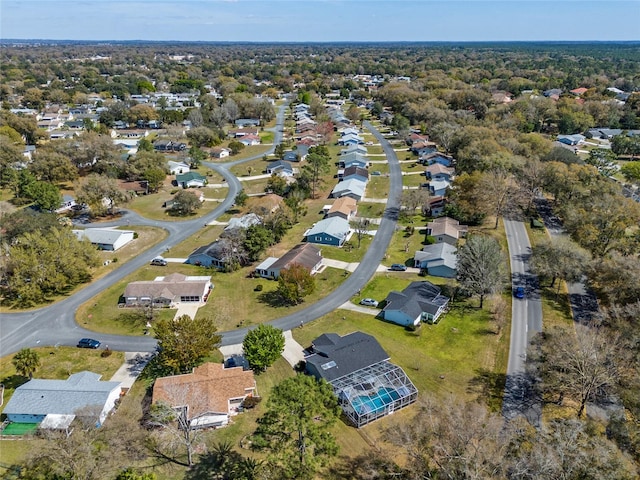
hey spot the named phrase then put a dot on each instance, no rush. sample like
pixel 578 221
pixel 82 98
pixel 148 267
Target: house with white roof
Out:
pixel 106 238
pixel 352 187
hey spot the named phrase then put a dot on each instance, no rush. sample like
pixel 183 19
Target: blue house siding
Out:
pixel 25 418
pixel 324 239
pixel 441 271
pixel 204 260
pixel 400 318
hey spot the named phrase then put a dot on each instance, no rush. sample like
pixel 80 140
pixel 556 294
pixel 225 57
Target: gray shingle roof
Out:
pixel 334 226
pixel 438 251
pixel 336 356
pixel 104 236
pixel 64 397
pixel 416 298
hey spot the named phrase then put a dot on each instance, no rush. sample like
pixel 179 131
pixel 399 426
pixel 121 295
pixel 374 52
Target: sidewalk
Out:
pixel 359 308
pixel 129 371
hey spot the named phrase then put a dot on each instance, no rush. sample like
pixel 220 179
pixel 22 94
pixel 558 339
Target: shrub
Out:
pixel 258 288
pixel 135 235
pixel 114 259
pixel 251 402
pixel 106 353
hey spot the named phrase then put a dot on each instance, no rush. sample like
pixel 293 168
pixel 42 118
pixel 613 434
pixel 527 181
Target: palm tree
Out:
pixel 26 362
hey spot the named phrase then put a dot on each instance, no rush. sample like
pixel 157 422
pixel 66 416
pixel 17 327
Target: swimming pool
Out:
pixel 373 403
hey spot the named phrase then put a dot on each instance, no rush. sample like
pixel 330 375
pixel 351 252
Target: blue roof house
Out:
pixel 330 231
pixel 439 260
pixel 419 302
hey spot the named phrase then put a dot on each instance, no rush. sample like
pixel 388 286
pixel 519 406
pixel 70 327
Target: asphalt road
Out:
pixel 56 325
pixel 526 321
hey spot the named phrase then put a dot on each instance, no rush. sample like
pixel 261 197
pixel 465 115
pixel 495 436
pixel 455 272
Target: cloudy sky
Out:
pixel 320 20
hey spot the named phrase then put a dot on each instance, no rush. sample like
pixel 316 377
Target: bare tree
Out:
pixel 361 227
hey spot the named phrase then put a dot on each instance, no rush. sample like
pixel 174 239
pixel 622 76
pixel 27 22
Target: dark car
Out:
pixel 88 343
pixel 398 267
pixel 519 292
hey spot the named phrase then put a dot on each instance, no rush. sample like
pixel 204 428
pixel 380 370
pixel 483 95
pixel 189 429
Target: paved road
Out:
pixel 526 321
pixel 56 325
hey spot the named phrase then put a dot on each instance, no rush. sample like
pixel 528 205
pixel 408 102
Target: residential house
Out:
pixel 579 91
pixel 344 207
pixel 167 291
pixel 247 122
pixel 250 140
pixel 191 180
pixel 353 171
pixel 352 159
pixel 352 187
pixel 437 157
pixel 243 222
pixel 220 152
pixel 418 302
pixel 423 147
pixel 306 255
pixel 572 140
pixel 68 202
pixel 368 386
pixel 438 260
pixel 447 230
pixel 217 254
pixel 209 396
pixel 290 156
pixel 330 231
pixel 350 139
pixel 57 402
pixel 243 132
pixel 361 149
pixel 438 187
pixel 437 171
pixel 302 151
pixel 435 206
pixel 163 145
pixel 177 168
pixel 265 204
pixel 280 167
pixel 109 239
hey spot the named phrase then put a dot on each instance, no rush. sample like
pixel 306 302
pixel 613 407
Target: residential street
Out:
pixel 56 325
pixel 526 321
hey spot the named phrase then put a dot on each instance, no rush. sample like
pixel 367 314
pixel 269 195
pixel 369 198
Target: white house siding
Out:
pixel 399 318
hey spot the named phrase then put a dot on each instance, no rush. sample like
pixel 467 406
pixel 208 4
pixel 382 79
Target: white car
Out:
pixel 369 302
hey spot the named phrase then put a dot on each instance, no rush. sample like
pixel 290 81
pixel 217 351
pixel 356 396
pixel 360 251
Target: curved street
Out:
pixel 56 325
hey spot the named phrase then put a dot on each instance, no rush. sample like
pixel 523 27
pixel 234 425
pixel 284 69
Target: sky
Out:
pixel 320 20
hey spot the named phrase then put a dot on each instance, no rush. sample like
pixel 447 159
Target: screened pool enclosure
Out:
pixel 373 392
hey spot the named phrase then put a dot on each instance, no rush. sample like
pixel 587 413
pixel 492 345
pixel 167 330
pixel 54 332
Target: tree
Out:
pixel 615 278
pixel 413 199
pixel 131 474
pixel 296 426
pixel 276 184
pixel 498 189
pixel 44 195
pixel 559 258
pixel 353 113
pixel 480 262
pixel 581 366
pixel 295 283
pixel 184 203
pixel 197 156
pixel 50 166
pixel 202 137
pixel 236 147
pixel 154 178
pixel 361 227
pixel 604 160
pixel 257 240
pixel 222 462
pixel 466 199
pixel 100 193
pixel 317 164
pixel 262 346
pixel 184 342
pixel 241 198
pixel 26 362
pixel 295 202
pixel 631 171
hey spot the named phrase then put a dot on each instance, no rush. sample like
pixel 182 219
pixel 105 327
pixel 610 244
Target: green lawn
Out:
pixel 371 210
pixel 378 187
pixel 254 186
pixel 150 206
pixel 250 168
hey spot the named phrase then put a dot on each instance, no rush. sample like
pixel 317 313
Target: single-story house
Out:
pixel 106 238
pixel 305 254
pixel 435 206
pixel 437 171
pixel 368 386
pixel 174 288
pixel 438 260
pixel 281 167
pixel 355 172
pixel 244 222
pixel 302 151
pixel 575 139
pixel 579 91
pixel 268 203
pixel 247 122
pixel 352 158
pixel 243 132
pixel 220 152
pixel 47 400
pixel 216 254
pixel 447 230
pixel 436 157
pixel 67 203
pixel 344 207
pixel 418 302
pixel 249 140
pixel 330 231
pixel 162 145
pixel 190 180
pixel 352 187
pixel 209 396
pixel 176 168
pixel 423 147
pixel 438 187
pixel 361 149
pixel 350 139
pixel 290 156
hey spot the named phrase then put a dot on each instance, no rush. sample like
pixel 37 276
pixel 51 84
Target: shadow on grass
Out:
pixel 489 387
pixel 14 381
pixel 273 299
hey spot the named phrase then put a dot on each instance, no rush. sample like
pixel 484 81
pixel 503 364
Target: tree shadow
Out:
pixel 273 299
pixel 14 381
pixel 489 387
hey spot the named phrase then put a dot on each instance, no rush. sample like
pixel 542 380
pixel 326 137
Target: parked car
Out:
pixel 159 261
pixel 376 173
pixel 88 343
pixel 398 267
pixel 519 292
pixel 369 302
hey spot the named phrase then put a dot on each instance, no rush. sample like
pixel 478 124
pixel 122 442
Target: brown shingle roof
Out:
pixel 305 254
pixel 207 389
pixel 344 205
pixel 170 287
pixel 446 226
